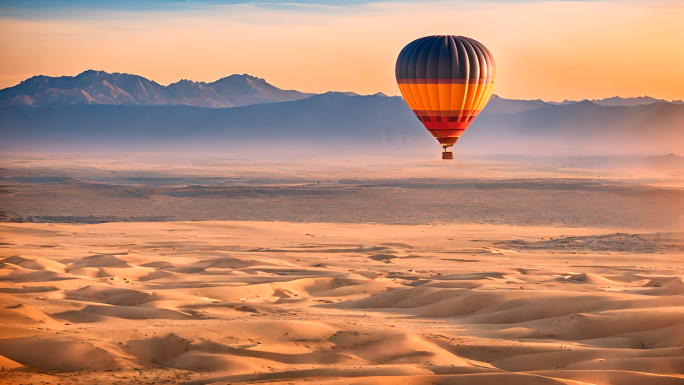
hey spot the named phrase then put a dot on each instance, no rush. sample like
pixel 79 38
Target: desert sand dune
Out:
pixel 294 303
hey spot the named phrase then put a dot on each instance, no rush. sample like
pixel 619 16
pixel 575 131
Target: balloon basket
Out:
pixel 447 155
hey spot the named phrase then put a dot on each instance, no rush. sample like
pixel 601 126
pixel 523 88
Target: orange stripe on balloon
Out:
pixel 407 93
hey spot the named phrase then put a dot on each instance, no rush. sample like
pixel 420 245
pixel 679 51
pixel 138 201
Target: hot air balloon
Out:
pixel 446 80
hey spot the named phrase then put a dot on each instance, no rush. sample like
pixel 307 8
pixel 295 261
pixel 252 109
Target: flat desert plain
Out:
pixel 117 272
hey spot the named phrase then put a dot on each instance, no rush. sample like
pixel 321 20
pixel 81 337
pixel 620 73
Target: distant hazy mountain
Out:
pixel 583 128
pixel 99 87
pixel 627 102
pixel 499 105
pixel 327 121
pixel 617 101
pixel 342 124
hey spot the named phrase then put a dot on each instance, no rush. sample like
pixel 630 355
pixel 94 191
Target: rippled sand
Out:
pixel 289 303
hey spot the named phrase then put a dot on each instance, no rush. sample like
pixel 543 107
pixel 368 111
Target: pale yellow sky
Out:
pixel 546 50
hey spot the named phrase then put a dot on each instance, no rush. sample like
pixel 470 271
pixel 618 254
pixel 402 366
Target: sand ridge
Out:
pixel 289 303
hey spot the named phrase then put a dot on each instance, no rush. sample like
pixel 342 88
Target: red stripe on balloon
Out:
pixel 446 125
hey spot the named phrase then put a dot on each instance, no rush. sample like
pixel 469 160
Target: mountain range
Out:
pixel 617 101
pixel 97 111
pixel 99 87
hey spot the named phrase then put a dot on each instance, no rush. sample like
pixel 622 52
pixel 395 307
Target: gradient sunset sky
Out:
pixel 552 50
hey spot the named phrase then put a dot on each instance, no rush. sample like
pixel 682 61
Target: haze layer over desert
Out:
pixel 500 270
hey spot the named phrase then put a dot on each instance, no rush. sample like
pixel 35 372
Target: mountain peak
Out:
pixel 235 78
pixel 93 71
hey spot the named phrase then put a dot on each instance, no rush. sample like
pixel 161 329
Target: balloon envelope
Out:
pixel 447 81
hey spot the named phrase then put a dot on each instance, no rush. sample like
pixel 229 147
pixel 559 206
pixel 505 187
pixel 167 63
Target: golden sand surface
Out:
pixel 220 302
